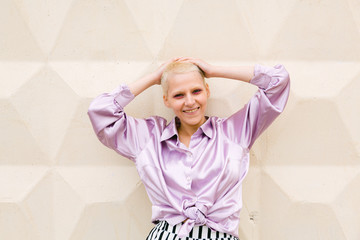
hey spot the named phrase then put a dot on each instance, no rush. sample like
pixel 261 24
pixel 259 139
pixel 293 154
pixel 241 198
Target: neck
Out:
pixel 188 131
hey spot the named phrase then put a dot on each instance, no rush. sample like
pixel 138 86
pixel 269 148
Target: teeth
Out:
pixel 190 111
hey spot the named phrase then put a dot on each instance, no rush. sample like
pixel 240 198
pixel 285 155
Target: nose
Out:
pixel 189 100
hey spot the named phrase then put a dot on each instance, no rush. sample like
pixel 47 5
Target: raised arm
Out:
pixel 149 80
pixel 246 125
pixel 242 73
pixel 115 129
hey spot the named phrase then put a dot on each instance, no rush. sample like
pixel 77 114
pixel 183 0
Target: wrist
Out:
pixel 153 78
pixel 216 71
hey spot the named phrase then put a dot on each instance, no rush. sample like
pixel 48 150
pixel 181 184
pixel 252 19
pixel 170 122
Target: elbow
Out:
pixel 92 116
pixel 92 110
pixel 282 75
pixel 280 84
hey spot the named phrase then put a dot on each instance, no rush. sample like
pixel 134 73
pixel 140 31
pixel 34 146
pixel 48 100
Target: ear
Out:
pixel 166 101
pixel 207 90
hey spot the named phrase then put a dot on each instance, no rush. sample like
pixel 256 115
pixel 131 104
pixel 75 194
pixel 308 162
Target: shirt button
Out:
pixel 188 179
pixel 189 154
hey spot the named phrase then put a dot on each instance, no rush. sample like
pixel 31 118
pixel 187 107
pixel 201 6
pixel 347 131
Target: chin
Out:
pixel 194 122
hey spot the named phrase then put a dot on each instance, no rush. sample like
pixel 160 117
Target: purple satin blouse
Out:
pixel 201 183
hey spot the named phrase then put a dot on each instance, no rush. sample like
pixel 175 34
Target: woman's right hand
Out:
pixel 158 73
pixel 150 79
pixel 207 68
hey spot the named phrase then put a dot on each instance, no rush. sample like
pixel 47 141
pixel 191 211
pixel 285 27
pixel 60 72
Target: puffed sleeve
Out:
pixel 246 125
pixel 116 130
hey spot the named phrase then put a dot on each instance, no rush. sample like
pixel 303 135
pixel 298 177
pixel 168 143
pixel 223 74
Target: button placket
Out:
pixel 189 157
pixel 188 179
pixel 189 160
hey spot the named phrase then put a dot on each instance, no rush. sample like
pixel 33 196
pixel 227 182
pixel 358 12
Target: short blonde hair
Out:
pixel 177 68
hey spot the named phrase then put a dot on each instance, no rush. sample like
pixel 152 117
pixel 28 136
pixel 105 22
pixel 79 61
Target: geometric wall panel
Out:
pixel 105 27
pixel 149 14
pixel 227 98
pixel 89 79
pixel 347 208
pixel 311 221
pixel 325 80
pixel 324 30
pixel 53 207
pixel 304 219
pixel 321 184
pixel 250 212
pixel 320 138
pixel 58 182
pixel 264 27
pixel 274 205
pixel 81 147
pixel 15 224
pixel 15 74
pixel 45 20
pixel 101 184
pixel 102 221
pixel 349 111
pixel 354 6
pixel 51 109
pixel 139 209
pixel 15 136
pixel 16 40
pixel 211 35
pixel 17 181
pixel 116 220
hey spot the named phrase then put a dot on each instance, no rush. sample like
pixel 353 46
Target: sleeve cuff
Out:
pixel 123 96
pixel 262 76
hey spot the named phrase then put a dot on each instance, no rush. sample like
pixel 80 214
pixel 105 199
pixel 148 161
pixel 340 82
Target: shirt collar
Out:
pixel 208 128
pixel 171 129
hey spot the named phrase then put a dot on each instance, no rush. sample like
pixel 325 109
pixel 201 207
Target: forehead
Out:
pixel 177 81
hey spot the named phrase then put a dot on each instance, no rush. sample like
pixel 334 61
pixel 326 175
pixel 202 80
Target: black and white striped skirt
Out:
pixel 165 231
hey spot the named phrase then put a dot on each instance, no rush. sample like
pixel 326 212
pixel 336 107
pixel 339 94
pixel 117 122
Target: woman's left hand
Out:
pixel 207 68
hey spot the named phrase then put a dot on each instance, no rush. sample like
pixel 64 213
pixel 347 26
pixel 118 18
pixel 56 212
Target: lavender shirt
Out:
pixel 201 183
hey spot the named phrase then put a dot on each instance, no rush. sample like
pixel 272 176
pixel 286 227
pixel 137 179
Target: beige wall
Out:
pixel 58 182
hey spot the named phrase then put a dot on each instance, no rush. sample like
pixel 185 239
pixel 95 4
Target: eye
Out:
pixel 197 91
pixel 178 96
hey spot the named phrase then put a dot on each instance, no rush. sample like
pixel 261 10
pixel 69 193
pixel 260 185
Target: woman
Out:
pixel 193 167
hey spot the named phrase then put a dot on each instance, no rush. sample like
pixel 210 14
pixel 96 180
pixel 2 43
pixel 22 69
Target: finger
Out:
pixel 186 58
pixel 169 61
pixel 193 61
pixel 172 60
pixel 176 58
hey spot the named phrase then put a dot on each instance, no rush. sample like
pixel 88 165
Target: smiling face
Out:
pixel 187 96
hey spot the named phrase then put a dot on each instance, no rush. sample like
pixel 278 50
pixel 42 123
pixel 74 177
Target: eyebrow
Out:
pixel 192 89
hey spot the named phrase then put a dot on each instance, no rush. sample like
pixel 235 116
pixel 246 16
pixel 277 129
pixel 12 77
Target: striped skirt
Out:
pixel 165 231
